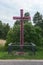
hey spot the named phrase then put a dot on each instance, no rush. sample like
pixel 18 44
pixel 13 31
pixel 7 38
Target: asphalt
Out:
pixel 21 62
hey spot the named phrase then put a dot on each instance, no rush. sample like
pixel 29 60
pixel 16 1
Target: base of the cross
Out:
pixel 20 52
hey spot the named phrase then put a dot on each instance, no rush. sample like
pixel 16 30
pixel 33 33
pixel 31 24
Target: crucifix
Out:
pixel 21 18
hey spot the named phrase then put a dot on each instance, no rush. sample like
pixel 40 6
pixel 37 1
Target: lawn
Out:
pixel 28 55
pixel 5 55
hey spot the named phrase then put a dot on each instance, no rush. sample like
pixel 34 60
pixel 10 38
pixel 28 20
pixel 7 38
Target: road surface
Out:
pixel 21 62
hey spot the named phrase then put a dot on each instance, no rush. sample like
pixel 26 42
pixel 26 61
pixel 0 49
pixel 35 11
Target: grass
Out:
pixel 5 55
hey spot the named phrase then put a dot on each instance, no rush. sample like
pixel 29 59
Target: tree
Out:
pixel 1 29
pixel 37 35
pixel 27 14
pixel 37 19
pixel 6 28
pixel 31 34
pixel 41 26
pixel 0 24
pixel 17 22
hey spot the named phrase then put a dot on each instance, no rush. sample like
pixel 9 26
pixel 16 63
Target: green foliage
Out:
pixel 2 48
pixel 31 34
pixel 9 37
pixel 27 14
pixel 26 55
pixel 17 22
pixel 4 28
pixel 37 18
pixel 37 36
pixel 1 29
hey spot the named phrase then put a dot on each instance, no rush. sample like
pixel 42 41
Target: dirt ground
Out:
pixel 2 42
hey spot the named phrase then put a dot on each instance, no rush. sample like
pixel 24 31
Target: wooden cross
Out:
pixel 21 18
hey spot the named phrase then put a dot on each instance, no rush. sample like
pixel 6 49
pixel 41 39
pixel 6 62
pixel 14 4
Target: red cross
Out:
pixel 21 18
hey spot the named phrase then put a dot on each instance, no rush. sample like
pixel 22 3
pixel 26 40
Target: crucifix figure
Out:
pixel 21 18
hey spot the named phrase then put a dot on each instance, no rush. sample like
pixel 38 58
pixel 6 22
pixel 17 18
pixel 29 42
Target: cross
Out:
pixel 21 18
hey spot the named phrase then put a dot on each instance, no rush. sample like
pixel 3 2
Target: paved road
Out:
pixel 21 62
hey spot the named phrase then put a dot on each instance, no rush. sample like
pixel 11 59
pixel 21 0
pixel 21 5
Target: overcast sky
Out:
pixel 10 8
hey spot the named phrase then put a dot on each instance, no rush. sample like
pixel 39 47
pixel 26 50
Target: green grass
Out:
pixel 5 55
pixel 27 55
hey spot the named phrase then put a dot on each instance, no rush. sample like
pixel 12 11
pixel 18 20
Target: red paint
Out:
pixel 21 18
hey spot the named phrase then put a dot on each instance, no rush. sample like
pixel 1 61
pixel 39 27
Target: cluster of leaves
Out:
pixel 4 28
pixel 31 34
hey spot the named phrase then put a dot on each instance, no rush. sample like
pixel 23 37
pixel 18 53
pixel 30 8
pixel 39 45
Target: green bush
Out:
pixel 31 34
pixel 2 48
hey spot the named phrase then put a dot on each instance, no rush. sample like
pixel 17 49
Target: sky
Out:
pixel 10 8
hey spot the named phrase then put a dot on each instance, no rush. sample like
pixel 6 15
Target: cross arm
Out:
pixel 27 18
pixel 23 18
pixel 16 18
